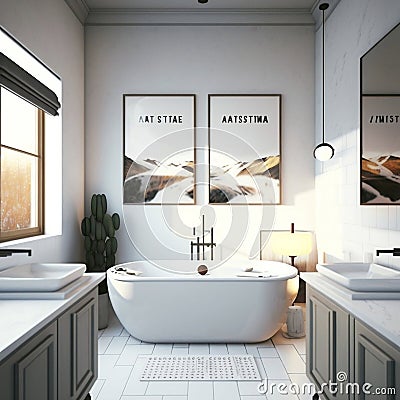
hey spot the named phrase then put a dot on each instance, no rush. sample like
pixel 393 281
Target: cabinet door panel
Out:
pixel 329 345
pixel 83 346
pixel 376 362
pixel 321 333
pixel 30 373
pixel 77 349
pixel 36 376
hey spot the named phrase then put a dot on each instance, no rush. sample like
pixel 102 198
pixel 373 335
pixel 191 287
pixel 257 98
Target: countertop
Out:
pixel 380 315
pixel 22 319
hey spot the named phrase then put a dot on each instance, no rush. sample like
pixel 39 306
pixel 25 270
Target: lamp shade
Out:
pixel 291 244
pixel 324 152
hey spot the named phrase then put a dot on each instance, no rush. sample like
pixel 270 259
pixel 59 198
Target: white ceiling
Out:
pixel 193 4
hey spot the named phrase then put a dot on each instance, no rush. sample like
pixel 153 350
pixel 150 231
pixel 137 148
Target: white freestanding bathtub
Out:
pixel 170 302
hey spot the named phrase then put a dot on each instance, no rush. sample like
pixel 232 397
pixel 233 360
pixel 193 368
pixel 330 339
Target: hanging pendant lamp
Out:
pixel 324 151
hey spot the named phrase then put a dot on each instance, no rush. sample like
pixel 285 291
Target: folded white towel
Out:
pixel 254 275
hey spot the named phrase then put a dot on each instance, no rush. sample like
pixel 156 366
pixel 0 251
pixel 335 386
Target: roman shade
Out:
pixel 23 84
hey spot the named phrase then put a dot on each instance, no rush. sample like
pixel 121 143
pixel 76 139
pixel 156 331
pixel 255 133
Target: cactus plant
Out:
pixel 99 237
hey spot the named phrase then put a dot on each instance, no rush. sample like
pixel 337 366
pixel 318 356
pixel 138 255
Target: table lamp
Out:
pixel 293 244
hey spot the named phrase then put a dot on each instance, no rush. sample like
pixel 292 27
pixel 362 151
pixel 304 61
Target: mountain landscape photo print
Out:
pixel 380 159
pixel 244 141
pixel 159 149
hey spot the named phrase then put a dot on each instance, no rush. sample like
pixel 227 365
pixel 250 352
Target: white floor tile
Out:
pixel 252 350
pixel 235 349
pixel 133 340
pixel 248 389
pixel 134 386
pixel 260 366
pixel 304 358
pixel 274 386
pixel 141 398
pixel 307 389
pixel 181 344
pixel 278 338
pixel 100 332
pixel 294 364
pixel 274 368
pixel 117 345
pixel 106 365
pixel 176 388
pixel 132 351
pixel 218 349
pixel 267 343
pixel 226 391
pixel 268 352
pixel 181 351
pixel 200 391
pixel 114 385
pixel 162 348
pixel 113 330
pixel 114 327
pixel 102 344
pixel 124 333
pixel 300 345
pixel 174 397
pixel 95 390
pixel 199 349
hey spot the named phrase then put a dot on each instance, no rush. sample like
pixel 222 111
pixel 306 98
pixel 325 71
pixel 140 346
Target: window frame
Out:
pixel 39 229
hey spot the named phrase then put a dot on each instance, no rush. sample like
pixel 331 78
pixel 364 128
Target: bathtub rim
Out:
pixel 192 276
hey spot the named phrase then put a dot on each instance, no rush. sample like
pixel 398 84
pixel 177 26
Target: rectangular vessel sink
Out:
pixel 362 277
pixel 39 277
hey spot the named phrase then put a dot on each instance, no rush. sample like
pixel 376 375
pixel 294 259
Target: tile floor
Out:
pixel 120 363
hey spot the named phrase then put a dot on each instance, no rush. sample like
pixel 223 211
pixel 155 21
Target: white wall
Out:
pixel 49 29
pixel 345 229
pixel 199 60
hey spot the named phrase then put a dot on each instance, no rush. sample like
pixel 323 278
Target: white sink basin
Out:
pixel 362 277
pixel 39 277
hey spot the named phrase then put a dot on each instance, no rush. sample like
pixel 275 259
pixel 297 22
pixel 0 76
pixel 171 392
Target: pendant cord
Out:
pixel 323 76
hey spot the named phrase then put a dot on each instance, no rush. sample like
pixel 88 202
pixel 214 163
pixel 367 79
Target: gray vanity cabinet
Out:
pixel 377 363
pixel 77 348
pixel 30 373
pixel 59 362
pixel 337 342
pixel 328 346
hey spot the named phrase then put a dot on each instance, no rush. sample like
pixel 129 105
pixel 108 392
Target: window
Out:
pixel 27 91
pixel 21 168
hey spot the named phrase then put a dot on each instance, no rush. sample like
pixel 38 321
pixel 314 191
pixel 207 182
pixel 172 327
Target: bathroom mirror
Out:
pixel 380 122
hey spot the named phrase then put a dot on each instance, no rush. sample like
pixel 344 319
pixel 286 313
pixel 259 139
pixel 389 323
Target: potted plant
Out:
pixel 100 247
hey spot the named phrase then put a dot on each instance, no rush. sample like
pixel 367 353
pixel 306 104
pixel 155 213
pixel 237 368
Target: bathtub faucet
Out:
pixel 395 252
pixel 198 244
pixel 10 252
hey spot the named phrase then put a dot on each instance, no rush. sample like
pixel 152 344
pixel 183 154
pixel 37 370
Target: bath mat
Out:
pixel 200 368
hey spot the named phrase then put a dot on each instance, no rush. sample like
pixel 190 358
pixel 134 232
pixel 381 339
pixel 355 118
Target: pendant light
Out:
pixel 324 151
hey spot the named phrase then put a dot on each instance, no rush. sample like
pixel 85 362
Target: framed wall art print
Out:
pixel 244 148
pixel 159 149
pixel 380 150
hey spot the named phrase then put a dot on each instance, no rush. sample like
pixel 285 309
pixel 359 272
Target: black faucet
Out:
pixel 204 244
pixel 10 252
pixel 395 252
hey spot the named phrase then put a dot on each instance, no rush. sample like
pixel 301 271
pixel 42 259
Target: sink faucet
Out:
pixel 203 244
pixel 10 252
pixel 395 252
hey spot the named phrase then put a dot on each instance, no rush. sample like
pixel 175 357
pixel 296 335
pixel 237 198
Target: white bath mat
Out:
pixel 200 368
